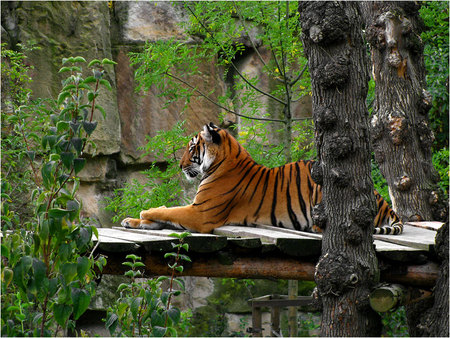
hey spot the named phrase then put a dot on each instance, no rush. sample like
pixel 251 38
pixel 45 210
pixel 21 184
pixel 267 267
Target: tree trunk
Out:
pixel 430 317
pixel 347 269
pixel 400 131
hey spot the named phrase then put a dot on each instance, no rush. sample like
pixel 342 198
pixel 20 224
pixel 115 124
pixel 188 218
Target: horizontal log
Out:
pixel 270 267
pixel 424 275
pixel 390 296
pixel 387 297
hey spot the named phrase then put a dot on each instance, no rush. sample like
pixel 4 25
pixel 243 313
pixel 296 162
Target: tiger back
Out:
pixel 234 189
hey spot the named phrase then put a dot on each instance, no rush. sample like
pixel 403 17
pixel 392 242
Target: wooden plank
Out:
pixel 202 243
pixel 150 243
pixel 430 225
pixel 290 231
pixel 398 253
pixel 291 244
pixel 111 244
pixel 412 236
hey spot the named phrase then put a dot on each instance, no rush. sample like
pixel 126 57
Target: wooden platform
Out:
pixel 264 251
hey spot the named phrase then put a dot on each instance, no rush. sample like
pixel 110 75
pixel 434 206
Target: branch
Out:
pixel 232 63
pixel 218 104
pixel 293 82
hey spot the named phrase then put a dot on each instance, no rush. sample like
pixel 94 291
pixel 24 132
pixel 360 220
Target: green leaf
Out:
pixel 81 299
pixel 69 271
pixel 122 287
pixel 77 143
pixel 134 306
pixel 58 212
pixel 174 315
pixel 165 297
pixel 31 155
pixel 106 84
pixel 7 276
pixel 157 319
pixel 106 61
pixel 5 251
pixel 62 126
pixel 67 159
pixel 64 69
pixel 62 313
pixel 94 62
pixel 112 322
pixel 46 172
pixel 89 127
pixel 44 230
pixel 101 109
pixel 83 265
pixel 75 126
pixel 40 270
pixel 79 59
pixel 78 164
pixel 158 331
pixel 62 96
pixel 133 257
pixel 90 79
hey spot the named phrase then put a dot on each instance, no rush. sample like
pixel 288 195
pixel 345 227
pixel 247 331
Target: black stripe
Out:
pixel 240 181
pixel 264 170
pixel 273 217
pixel 251 178
pixel 300 198
pixel 292 215
pixel 239 150
pixel 266 182
pixel 282 177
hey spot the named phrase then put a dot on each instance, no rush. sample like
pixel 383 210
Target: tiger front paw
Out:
pixel 131 223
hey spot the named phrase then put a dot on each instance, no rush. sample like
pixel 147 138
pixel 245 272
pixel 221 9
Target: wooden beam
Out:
pixel 210 265
pixel 390 296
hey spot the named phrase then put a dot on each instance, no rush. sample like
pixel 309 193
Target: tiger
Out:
pixel 234 189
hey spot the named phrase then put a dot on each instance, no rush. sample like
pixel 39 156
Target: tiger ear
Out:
pixel 210 134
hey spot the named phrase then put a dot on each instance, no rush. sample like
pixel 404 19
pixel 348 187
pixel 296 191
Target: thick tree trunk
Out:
pixel 400 132
pixel 347 269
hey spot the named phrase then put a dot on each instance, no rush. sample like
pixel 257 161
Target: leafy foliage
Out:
pixel 143 308
pixel 47 264
pixel 435 16
pixel 217 31
pixel 164 184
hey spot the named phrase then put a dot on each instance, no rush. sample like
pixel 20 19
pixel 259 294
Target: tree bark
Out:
pixel 430 317
pixel 400 131
pixel 347 269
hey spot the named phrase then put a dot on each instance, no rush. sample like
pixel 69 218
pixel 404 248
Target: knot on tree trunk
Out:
pixel 335 274
pixel 334 73
pixel 323 22
pixel 317 173
pixel 339 146
pixel 398 127
pixel 403 183
pixel 353 234
pixel 426 136
pixel 319 216
pixel 325 118
pixel 362 216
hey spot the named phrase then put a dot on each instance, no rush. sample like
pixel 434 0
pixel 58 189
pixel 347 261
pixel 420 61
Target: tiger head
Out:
pixel 201 152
